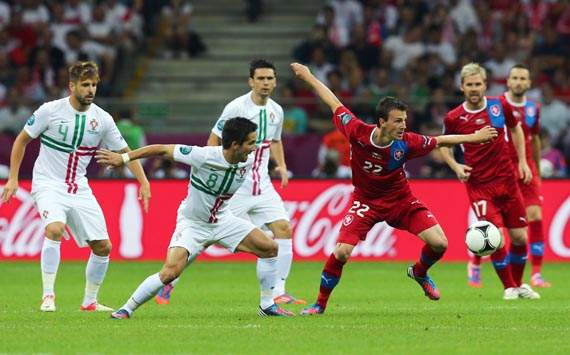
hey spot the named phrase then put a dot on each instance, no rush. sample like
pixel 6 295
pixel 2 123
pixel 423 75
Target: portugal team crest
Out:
pixel 241 172
pixel 271 117
pixel 347 219
pixel 495 110
pixel 398 154
pixel 93 126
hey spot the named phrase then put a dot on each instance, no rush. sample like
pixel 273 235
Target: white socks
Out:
pixel 94 274
pixel 284 260
pixel 146 290
pixel 266 274
pixel 50 257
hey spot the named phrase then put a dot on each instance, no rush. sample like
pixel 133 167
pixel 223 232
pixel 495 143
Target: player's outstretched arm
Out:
pixel 107 157
pixel 483 135
pixel 303 73
pixel 16 157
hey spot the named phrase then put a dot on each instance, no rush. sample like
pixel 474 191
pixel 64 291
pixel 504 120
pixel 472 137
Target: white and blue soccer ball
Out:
pixel 483 238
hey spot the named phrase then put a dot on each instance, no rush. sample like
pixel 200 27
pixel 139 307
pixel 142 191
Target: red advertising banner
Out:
pixel 316 209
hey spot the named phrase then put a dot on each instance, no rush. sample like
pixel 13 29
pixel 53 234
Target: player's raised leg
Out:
pixel 432 251
pixel 259 244
pixel 282 232
pixel 95 274
pixel 536 242
pixel 49 260
pixel 176 261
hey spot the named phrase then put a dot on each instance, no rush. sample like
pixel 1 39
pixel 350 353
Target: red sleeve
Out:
pixel 510 119
pixel 448 127
pixel 419 145
pixel 536 128
pixel 346 122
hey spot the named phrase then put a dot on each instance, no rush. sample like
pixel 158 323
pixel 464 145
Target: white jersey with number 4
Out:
pixel 269 121
pixel 212 182
pixel 69 140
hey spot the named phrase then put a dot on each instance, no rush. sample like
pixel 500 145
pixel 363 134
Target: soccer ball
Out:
pixel 483 238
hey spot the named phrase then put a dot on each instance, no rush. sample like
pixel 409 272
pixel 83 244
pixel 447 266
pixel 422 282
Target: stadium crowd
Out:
pixel 414 50
pixel 363 50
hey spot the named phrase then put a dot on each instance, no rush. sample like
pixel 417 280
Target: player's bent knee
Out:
pixel 54 231
pixel 169 273
pixel 518 236
pixel 270 251
pixel 343 251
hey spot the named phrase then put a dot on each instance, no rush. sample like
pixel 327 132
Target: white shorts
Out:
pixel 80 212
pixel 195 236
pixel 261 209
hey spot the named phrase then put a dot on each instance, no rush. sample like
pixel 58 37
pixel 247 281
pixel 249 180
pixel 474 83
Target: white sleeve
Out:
pixel 230 111
pixel 38 122
pixel 281 118
pixel 189 155
pixel 112 138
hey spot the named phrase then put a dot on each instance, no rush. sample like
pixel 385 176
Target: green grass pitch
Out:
pixel 374 309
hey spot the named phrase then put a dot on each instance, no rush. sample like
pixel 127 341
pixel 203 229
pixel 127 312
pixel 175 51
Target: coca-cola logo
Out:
pixel 21 233
pixel 557 234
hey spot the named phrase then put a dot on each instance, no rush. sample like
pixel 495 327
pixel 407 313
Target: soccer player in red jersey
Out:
pixel 528 113
pixel 381 190
pixel 490 180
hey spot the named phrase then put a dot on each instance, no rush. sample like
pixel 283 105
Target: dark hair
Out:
pixel 388 104
pixel 518 66
pixel 260 64
pixel 236 130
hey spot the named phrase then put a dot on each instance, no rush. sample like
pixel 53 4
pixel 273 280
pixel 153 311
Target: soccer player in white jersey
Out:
pixel 204 217
pixel 70 130
pixel 257 199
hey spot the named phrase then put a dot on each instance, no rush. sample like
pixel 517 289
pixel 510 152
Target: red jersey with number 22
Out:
pixel 378 172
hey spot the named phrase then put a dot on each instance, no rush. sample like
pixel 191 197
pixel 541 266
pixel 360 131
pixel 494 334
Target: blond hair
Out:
pixel 83 70
pixel 473 69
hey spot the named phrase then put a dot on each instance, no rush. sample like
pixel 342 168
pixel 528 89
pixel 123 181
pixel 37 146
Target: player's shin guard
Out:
pixel 428 257
pixel 536 239
pixel 94 274
pixel 329 279
pixel 146 290
pixel 501 264
pixel 517 261
pixel 266 275
pixel 284 260
pixel 50 258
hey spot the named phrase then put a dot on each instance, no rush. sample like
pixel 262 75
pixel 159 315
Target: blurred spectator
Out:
pixel 34 13
pixel 463 15
pixel 317 38
pixel 181 39
pixel 132 132
pixel 4 14
pixel 436 45
pixel 76 12
pixel 498 67
pixel 405 48
pixel 167 169
pixel 319 65
pixel 365 52
pixel 554 114
pixel 330 168
pixel 552 163
pixel 253 9
pixel 295 119
pixel 435 167
pixel 334 140
pixel 14 115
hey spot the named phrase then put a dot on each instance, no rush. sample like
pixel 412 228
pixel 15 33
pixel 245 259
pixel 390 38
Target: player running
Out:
pixel 204 217
pixel 489 177
pixel 70 130
pixel 257 199
pixel 382 192
pixel 527 112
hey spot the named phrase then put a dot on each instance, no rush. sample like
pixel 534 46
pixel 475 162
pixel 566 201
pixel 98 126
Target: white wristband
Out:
pixel 126 158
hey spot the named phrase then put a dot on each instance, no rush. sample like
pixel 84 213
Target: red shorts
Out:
pixel 531 192
pixel 499 203
pixel 406 213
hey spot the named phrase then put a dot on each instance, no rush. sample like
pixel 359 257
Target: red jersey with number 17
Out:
pixel 490 161
pixel 378 172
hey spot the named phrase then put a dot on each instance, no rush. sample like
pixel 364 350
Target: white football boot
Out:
pixel 511 293
pixel 48 303
pixel 527 293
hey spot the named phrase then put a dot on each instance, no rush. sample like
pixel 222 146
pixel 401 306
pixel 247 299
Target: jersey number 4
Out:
pixel 359 208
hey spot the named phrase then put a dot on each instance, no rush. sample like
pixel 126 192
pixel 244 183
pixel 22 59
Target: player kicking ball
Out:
pixel 381 190
pixel 203 217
